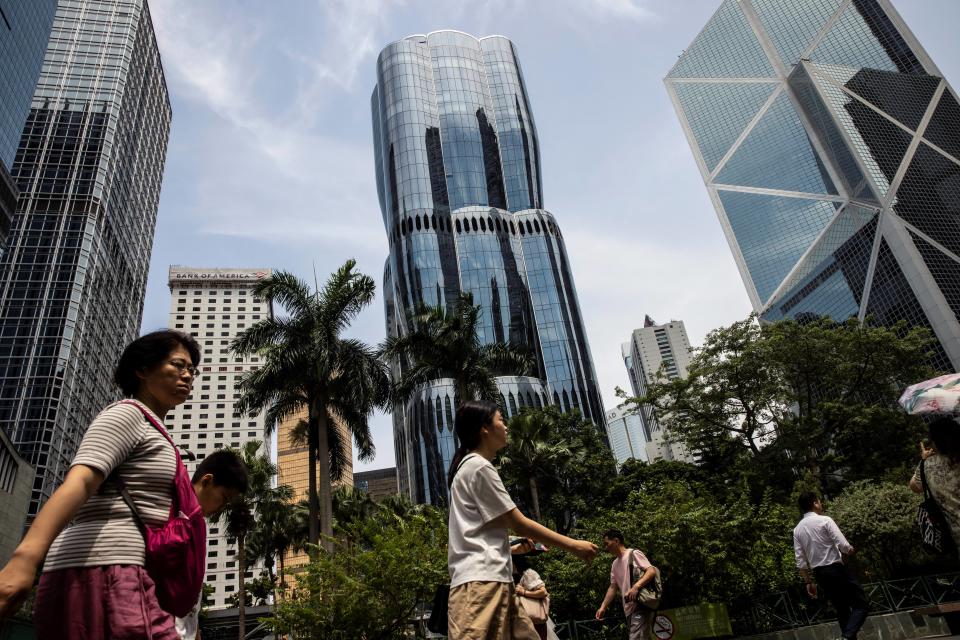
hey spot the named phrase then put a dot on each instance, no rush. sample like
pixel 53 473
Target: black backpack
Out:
pixel 934 530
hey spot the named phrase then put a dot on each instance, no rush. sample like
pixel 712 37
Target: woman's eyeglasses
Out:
pixel 182 366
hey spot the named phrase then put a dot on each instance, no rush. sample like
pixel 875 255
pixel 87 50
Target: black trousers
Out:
pixel 846 595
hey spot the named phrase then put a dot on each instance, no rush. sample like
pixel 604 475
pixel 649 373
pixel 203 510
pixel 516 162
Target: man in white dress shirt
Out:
pixel 820 546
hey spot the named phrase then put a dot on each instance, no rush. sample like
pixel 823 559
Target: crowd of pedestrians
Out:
pixel 121 542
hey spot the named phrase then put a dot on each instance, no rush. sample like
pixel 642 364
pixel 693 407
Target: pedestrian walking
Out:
pixel 231 471
pixel 941 469
pixel 483 604
pixel 819 547
pixel 630 574
pixel 94 585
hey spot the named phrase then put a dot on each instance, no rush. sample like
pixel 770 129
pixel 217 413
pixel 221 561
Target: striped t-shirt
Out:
pixel 103 531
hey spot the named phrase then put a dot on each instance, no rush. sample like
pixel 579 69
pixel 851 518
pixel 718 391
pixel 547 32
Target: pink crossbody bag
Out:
pixel 176 551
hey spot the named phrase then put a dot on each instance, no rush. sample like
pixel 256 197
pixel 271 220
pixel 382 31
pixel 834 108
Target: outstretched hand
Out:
pixel 584 549
pixel 812 590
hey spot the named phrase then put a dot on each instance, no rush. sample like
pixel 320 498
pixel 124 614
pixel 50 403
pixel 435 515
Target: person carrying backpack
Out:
pixel 90 535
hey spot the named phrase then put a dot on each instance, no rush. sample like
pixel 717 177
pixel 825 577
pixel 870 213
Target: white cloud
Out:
pixel 617 9
pixel 348 34
pixel 622 277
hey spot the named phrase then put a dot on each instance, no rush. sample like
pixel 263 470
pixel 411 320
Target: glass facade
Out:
pixel 830 145
pixel 88 167
pixel 458 177
pixel 626 435
pixel 24 30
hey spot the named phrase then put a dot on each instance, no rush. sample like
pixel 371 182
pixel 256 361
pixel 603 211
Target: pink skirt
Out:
pixel 115 602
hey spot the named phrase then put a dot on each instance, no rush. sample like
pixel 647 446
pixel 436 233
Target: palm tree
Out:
pixel 532 451
pixel 351 506
pixel 273 533
pixel 307 363
pixel 445 344
pixel 241 517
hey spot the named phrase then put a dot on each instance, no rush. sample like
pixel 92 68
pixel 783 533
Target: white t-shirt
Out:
pixel 188 625
pixel 477 552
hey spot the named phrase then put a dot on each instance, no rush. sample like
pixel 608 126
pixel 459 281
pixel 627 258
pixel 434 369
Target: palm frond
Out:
pixel 287 290
pixel 507 359
pixel 338 440
pixel 344 295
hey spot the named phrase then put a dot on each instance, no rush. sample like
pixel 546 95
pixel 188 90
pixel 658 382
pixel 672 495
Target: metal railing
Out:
pixel 791 609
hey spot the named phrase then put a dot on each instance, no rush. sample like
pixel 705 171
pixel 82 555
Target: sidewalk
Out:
pixel 890 626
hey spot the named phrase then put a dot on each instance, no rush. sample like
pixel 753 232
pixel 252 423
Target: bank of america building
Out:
pixel 458 175
pixel 830 145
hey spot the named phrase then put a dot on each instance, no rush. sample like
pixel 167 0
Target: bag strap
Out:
pixel 121 485
pixel 652 585
pixel 923 481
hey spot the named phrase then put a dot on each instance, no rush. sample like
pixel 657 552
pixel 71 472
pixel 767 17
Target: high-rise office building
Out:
pixel 657 351
pixel 24 31
pixel 626 435
pixel 88 169
pixel 458 175
pixel 830 145
pixel 377 483
pixel 215 305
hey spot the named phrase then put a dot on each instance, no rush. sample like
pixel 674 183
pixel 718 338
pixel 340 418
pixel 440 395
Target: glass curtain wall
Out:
pixel 458 177
pixel 88 167
pixel 830 145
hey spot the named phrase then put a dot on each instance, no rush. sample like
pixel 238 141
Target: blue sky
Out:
pixel 270 162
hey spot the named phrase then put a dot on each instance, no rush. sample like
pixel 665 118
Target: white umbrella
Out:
pixel 938 395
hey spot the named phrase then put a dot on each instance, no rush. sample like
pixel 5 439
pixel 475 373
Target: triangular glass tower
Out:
pixel 830 143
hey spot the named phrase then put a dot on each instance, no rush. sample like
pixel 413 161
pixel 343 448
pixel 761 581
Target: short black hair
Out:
pixel 226 467
pixel 806 500
pixel 945 433
pixel 148 351
pixel 614 534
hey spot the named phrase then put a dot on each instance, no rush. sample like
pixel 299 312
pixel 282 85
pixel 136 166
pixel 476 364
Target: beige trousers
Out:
pixel 487 611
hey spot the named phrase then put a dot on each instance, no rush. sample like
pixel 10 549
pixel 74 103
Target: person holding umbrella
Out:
pixel 940 468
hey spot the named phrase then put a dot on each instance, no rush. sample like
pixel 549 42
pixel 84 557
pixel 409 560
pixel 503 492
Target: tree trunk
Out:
pixel 535 498
pixel 241 587
pixel 326 489
pixel 463 393
pixel 313 533
pixel 278 593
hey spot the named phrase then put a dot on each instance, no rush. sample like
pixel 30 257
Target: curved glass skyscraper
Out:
pixel 458 175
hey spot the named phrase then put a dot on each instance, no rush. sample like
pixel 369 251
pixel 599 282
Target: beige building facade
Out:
pixel 293 465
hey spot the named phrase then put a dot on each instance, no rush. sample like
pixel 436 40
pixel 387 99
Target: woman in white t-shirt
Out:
pixel 483 605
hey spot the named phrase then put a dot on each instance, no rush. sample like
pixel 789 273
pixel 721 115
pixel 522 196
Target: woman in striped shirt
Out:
pixel 94 583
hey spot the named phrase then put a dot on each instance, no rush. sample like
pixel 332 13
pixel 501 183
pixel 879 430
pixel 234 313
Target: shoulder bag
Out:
pixel 538 609
pixel 934 530
pixel 175 552
pixel 649 595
